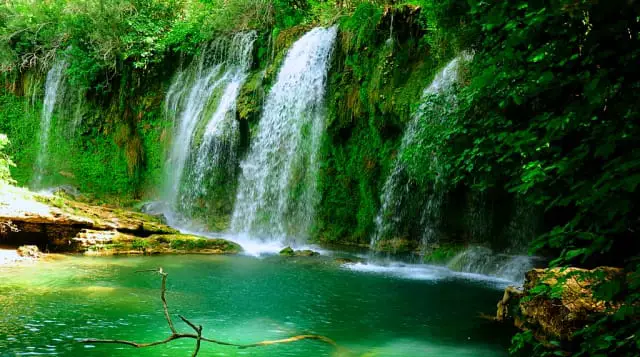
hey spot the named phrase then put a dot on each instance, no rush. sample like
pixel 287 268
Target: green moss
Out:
pixel 442 253
pixel 287 252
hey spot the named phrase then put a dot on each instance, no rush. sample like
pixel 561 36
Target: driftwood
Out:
pixel 175 335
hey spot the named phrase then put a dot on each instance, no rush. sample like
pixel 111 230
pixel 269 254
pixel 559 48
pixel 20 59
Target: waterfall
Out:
pixel 221 133
pixel 53 86
pixel 438 97
pixel 277 188
pixel 481 260
pixel 210 83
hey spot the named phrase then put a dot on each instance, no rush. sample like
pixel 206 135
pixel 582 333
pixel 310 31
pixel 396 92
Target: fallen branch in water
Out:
pixel 175 335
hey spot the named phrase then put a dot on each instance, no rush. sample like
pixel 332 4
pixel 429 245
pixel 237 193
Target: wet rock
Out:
pixel 343 260
pixel 155 209
pixel 396 245
pixel 508 306
pixel 29 251
pixel 306 253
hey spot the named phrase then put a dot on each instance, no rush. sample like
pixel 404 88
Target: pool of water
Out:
pixel 47 307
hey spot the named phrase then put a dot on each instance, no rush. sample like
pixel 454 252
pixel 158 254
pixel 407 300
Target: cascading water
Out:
pixel 277 190
pixel 210 83
pixel 397 190
pixel 221 134
pixel 53 86
pixel 481 260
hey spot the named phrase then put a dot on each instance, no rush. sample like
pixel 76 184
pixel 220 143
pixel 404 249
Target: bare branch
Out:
pixel 198 329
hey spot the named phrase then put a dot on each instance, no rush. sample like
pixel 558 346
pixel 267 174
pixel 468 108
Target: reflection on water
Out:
pixel 46 307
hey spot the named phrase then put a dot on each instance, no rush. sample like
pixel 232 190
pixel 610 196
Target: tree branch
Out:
pixel 175 335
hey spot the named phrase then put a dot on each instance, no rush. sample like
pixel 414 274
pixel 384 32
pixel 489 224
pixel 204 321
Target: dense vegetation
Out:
pixel 5 161
pixel 546 116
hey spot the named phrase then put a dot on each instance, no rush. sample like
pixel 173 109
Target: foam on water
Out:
pixel 427 272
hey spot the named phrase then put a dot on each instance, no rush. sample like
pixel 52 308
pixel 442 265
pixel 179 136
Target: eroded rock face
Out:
pixel 555 303
pixel 58 224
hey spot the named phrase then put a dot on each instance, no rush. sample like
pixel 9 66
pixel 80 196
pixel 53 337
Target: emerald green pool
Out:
pixel 46 307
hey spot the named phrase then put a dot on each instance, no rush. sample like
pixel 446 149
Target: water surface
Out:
pixel 46 307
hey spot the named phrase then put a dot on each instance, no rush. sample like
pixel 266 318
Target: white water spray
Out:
pixel 481 260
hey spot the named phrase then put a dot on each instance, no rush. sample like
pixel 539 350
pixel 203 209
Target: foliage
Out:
pixel 549 114
pixel 5 161
pixel 370 96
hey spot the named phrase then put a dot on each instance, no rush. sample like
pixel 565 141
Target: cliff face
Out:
pixel 113 144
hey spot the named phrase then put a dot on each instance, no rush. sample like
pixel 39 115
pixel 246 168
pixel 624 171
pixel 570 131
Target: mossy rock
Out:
pixel 342 261
pixel 289 252
pixel 123 244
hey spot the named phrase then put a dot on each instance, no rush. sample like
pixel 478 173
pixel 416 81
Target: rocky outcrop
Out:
pixel 555 303
pixel 54 223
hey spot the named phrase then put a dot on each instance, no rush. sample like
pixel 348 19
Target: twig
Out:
pixel 175 335
pixel 198 330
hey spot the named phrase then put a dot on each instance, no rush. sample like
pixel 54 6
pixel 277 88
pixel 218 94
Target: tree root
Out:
pixel 175 335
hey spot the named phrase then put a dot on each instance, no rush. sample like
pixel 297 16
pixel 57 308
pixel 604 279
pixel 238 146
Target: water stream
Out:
pixel 52 90
pixel 438 97
pixel 47 307
pixel 277 189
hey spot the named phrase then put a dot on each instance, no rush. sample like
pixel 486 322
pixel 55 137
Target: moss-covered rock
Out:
pixel 290 252
pixel 124 244
pixel 555 303
pixel 60 224
pixel 287 252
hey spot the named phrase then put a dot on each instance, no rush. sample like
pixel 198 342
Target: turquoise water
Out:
pixel 46 307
